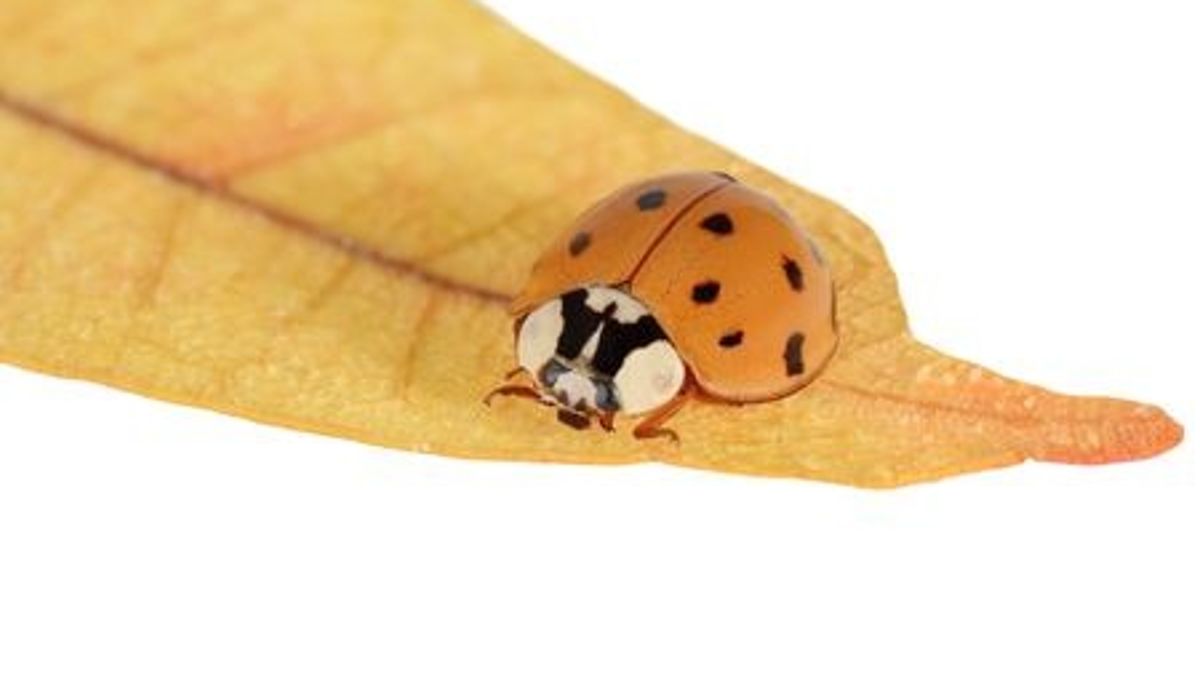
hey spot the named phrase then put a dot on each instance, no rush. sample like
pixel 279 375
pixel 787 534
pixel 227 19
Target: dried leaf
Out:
pixel 313 213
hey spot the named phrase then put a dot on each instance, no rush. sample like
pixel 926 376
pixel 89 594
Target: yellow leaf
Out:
pixel 313 214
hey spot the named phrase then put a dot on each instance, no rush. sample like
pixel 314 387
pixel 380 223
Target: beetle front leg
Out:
pixel 518 390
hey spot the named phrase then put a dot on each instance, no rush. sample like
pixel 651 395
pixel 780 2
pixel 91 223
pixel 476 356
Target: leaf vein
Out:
pixel 112 147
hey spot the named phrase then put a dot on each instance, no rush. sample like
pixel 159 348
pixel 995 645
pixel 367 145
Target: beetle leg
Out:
pixel 519 390
pixel 523 389
pixel 651 427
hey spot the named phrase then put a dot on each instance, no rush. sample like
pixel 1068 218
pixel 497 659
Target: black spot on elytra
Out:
pixel 651 199
pixel 793 354
pixel 795 276
pixel 718 223
pixel 706 292
pixel 579 243
pixel 726 176
pixel 731 340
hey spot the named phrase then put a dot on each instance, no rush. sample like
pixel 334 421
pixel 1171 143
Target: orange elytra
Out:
pixel 680 286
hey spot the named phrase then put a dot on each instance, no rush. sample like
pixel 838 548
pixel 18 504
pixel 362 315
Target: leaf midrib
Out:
pixel 123 152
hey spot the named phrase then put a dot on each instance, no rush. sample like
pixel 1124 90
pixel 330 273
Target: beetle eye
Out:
pixel 550 372
pixel 606 398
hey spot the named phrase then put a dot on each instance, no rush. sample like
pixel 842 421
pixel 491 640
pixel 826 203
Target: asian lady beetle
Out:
pixel 685 285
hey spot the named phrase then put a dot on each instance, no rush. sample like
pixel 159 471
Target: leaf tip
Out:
pixel 1143 431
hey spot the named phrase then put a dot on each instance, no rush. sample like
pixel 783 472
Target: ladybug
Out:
pixel 687 285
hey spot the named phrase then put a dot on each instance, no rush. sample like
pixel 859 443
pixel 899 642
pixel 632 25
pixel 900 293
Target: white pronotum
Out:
pixel 599 349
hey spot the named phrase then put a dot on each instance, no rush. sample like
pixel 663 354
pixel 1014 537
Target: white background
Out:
pixel 1032 170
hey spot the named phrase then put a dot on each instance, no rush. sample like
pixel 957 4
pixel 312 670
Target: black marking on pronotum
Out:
pixel 718 223
pixel 619 339
pixel 793 354
pixel 579 322
pixel 651 199
pixel 579 243
pixel 795 276
pixel 731 340
pixel 706 292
